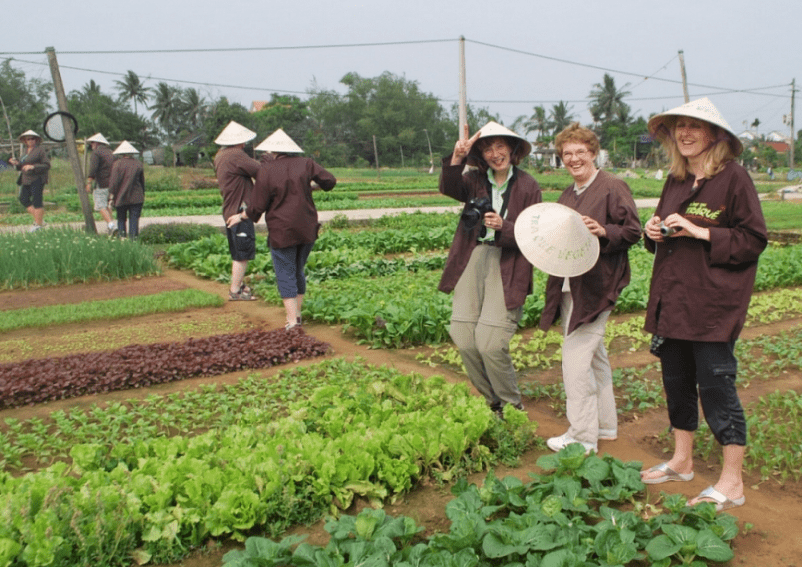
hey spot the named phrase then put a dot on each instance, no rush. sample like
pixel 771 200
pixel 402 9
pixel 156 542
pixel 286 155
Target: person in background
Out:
pixel 585 302
pixel 706 234
pixel 283 193
pixel 127 189
pixel 33 167
pixel 100 172
pixel 234 170
pixel 485 269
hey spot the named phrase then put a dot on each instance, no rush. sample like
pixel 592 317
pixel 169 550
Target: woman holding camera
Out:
pixel 485 269
pixel 702 281
pixel 585 302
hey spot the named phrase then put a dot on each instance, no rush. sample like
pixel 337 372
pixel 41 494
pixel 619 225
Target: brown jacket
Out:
pixel 516 271
pixel 235 170
pixel 40 161
pixel 700 291
pixel 609 202
pixel 127 183
pixel 283 192
pixel 100 165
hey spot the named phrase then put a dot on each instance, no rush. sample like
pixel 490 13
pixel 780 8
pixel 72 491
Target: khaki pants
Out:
pixel 587 377
pixel 481 328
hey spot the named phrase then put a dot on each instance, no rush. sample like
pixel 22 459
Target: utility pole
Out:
pixel 793 134
pixel 72 150
pixel 431 157
pixel 463 115
pixel 684 79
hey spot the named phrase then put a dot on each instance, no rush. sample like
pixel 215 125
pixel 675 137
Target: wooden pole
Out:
pixel 72 149
pixel 793 134
pixel 463 113
pixel 376 154
pixel 684 79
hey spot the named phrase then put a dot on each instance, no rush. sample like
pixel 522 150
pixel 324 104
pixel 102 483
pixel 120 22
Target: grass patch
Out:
pixel 110 309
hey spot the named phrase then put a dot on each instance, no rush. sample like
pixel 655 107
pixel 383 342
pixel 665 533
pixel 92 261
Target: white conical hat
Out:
pixel 125 148
pixel 279 142
pixel 495 129
pixel 98 138
pixel 234 134
pixel 701 109
pixel 555 240
pixel 28 133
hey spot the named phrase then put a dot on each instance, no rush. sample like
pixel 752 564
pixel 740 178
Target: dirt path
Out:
pixel 773 512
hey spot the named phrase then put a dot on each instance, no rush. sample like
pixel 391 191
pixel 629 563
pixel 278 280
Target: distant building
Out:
pixel 257 105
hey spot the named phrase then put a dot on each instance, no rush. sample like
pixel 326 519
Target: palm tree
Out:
pixel 90 90
pixel 538 122
pixel 608 101
pixel 133 89
pixel 166 106
pixel 560 117
pixel 193 107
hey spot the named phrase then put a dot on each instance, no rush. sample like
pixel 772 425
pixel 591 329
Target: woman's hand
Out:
pixel 27 167
pixel 235 219
pixel 493 220
pixel 463 146
pixel 685 227
pixel 594 227
pixel 652 229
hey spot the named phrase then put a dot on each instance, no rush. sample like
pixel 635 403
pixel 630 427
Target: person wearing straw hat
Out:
pixel 584 302
pixel 33 167
pixel 706 234
pixel 283 193
pixel 127 189
pixel 100 172
pixel 485 269
pixel 235 171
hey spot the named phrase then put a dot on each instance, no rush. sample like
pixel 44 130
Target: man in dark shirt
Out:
pixel 100 172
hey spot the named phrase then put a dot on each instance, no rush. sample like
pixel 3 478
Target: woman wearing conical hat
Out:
pixel 127 189
pixel 584 302
pixel 283 193
pixel 707 234
pixel 100 172
pixel 485 269
pixel 34 167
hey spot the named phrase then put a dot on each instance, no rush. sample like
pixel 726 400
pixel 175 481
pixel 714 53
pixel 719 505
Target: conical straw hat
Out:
pixel 98 138
pixel 555 240
pixel 701 109
pixel 28 133
pixel 279 142
pixel 234 134
pixel 492 129
pixel 125 148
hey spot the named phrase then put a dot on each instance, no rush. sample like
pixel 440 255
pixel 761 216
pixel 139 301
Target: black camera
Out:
pixel 475 211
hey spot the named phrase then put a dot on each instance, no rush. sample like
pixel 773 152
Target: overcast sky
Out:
pixel 518 54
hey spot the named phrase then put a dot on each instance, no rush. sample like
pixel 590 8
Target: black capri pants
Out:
pixel 695 370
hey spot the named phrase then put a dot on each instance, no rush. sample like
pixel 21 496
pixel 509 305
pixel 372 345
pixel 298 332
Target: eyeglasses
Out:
pixel 580 154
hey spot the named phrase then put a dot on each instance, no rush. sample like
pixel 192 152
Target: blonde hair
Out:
pixel 578 135
pixel 716 157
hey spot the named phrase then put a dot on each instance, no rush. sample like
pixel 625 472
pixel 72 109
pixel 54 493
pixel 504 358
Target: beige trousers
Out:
pixel 481 328
pixel 587 377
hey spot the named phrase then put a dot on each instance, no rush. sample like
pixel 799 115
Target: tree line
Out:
pixel 336 129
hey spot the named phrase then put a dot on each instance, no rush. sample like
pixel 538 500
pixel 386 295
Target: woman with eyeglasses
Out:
pixel 584 302
pixel 485 269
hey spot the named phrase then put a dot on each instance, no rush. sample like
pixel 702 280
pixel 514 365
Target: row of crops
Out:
pixel 380 281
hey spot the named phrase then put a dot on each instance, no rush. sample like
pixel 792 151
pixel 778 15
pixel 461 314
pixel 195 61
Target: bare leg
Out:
pixel 106 214
pixel 299 301
pixel 37 214
pixel 730 483
pixel 238 268
pixel 682 460
pixel 291 307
